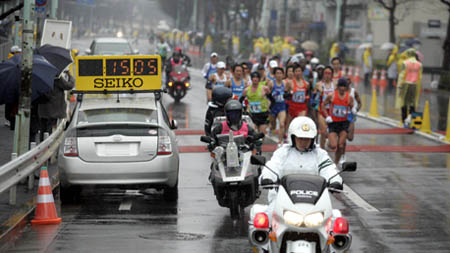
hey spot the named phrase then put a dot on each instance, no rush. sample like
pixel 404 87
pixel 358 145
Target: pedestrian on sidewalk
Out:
pixel 391 64
pixel 55 108
pixel 367 65
pixel 409 84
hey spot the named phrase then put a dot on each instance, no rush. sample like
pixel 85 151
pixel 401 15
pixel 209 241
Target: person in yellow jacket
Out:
pixel 409 84
pixel 367 65
pixel 334 51
pixel 391 64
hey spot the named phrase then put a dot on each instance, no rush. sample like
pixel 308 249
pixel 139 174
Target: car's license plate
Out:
pixel 117 149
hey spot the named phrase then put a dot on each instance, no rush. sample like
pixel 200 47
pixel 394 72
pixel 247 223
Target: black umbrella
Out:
pixel 42 78
pixel 57 56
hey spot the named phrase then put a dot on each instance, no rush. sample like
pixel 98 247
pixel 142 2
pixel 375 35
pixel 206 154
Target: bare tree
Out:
pixel 391 6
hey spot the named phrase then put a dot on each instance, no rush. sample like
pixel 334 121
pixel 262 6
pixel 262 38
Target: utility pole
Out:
pixel 286 18
pixel 342 9
pixel 263 23
pixel 177 23
pixel 54 9
pixel 194 15
pixel 22 127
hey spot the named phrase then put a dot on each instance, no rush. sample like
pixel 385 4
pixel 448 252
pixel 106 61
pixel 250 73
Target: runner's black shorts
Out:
pixel 208 85
pixel 260 118
pixel 337 127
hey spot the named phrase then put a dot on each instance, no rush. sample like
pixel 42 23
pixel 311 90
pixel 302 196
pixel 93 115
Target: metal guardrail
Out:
pixel 24 166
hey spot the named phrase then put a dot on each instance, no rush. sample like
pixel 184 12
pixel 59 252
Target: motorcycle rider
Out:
pixel 233 112
pixel 220 97
pixel 186 59
pixel 301 155
pixel 173 61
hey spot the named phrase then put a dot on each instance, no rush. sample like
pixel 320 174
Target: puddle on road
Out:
pixel 172 236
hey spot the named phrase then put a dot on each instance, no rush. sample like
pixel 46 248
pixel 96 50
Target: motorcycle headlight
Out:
pixel 314 219
pixel 293 218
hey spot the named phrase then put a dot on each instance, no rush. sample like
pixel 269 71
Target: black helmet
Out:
pixel 233 112
pixel 221 95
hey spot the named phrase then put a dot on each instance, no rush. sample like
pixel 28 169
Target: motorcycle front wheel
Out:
pixel 235 209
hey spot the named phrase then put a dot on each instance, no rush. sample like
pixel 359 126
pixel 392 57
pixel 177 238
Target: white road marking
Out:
pixel 125 205
pixel 355 198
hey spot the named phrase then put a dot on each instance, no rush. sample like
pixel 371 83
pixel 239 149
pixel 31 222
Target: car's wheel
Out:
pixel 69 194
pixel 171 193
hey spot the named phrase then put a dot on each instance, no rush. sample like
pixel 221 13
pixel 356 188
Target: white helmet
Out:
pixel 16 49
pixel 315 60
pixel 302 127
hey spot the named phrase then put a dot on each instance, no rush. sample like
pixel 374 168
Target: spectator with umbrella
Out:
pixel 11 108
pixel 391 64
pixel 54 108
pixel 42 83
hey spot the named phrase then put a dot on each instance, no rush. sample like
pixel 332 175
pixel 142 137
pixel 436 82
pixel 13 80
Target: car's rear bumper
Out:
pixel 162 170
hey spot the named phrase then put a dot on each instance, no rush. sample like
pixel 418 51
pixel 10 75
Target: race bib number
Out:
pixel 340 111
pixel 279 98
pixel 299 97
pixel 255 107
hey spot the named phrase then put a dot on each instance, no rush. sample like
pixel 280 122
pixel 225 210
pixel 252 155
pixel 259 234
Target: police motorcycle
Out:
pixel 303 219
pixel 178 79
pixel 233 178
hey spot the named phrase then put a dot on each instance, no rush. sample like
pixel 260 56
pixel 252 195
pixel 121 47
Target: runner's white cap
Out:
pixel 273 64
pixel 221 65
pixel 214 54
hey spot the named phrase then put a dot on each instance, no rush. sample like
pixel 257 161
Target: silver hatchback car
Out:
pixel 119 140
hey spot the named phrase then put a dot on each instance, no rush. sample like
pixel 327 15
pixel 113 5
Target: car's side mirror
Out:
pixel 258 160
pixel 267 181
pixel 174 124
pixel 206 139
pixel 88 51
pixel 349 166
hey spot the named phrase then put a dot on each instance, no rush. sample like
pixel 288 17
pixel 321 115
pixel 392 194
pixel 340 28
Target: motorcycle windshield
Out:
pixel 303 188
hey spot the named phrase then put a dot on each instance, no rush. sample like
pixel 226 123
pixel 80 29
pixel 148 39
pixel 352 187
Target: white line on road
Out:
pixel 125 205
pixel 353 196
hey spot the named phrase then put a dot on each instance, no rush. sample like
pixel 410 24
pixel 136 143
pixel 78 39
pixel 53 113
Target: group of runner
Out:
pixel 273 95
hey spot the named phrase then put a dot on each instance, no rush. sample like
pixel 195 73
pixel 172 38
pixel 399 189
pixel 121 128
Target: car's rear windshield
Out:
pixel 129 115
pixel 112 48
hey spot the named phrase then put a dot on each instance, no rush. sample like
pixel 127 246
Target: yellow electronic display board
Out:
pixel 118 73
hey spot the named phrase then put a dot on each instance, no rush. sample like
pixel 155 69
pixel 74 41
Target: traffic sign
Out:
pixel 118 73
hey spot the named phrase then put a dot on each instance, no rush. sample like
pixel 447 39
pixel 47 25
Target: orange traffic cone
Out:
pixel 383 80
pixel 45 210
pixel 350 73
pixel 374 81
pixel 356 78
pixel 72 98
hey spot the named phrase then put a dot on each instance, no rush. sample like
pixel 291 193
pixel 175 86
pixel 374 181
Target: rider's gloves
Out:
pixel 329 120
pixel 336 185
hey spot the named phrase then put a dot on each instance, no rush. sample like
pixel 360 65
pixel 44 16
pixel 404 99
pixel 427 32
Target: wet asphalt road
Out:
pixel 407 193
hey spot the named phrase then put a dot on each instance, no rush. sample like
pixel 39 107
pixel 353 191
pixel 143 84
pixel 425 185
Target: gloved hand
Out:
pixel 354 110
pixel 336 185
pixel 329 120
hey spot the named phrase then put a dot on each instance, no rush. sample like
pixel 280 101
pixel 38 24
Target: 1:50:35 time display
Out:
pixel 122 67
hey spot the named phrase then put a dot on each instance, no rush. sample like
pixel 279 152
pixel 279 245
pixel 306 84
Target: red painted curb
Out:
pixel 351 148
pixel 357 131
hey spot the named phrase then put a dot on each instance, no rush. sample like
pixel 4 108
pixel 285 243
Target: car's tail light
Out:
pixel 340 226
pixel 70 144
pixel 261 220
pixel 164 144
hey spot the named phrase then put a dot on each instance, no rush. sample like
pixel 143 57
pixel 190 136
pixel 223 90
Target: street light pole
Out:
pixel 22 127
pixel 54 9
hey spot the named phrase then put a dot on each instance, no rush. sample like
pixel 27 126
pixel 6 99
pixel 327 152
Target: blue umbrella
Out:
pixel 42 78
pixel 57 56
pixel 411 42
